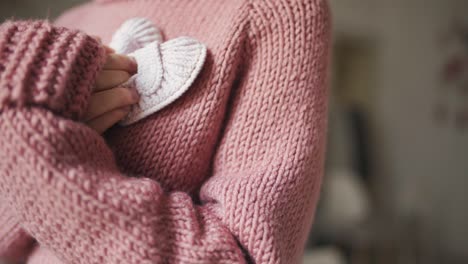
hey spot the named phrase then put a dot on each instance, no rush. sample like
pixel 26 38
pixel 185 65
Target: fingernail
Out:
pixel 135 95
pixel 109 50
pixel 133 65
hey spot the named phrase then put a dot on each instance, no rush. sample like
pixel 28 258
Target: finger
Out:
pixel 109 79
pixel 105 101
pixel 107 120
pixel 120 62
pixel 109 50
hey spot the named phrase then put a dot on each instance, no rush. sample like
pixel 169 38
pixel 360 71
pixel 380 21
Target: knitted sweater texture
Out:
pixel 229 173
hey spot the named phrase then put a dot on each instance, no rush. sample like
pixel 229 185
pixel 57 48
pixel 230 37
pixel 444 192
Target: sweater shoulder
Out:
pixel 315 4
pixel 289 13
pixel 301 25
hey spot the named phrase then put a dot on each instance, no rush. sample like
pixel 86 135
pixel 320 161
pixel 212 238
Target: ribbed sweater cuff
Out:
pixel 52 67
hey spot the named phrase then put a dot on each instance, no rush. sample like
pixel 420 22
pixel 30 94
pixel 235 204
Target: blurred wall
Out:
pixel 423 167
pixel 34 8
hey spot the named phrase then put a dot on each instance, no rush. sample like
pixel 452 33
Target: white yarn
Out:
pixel 135 34
pixel 165 70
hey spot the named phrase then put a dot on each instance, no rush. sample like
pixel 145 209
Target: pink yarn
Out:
pixel 229 173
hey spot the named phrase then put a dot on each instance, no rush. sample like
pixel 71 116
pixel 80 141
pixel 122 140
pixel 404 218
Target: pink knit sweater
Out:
pixel 229 173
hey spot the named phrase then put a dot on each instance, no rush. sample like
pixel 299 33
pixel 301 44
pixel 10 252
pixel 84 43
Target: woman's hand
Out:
pixel 110 102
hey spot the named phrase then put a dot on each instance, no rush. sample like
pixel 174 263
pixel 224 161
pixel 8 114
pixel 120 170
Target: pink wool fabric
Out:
pixel 229 173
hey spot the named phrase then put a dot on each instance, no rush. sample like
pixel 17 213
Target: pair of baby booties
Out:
pixel 165 69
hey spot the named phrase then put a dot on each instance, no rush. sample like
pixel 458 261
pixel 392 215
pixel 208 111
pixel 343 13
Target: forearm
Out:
pixel 47 66
pixel 66 188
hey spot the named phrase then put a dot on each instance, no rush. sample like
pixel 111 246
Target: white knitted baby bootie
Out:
pixel 135 34
pixel 165 70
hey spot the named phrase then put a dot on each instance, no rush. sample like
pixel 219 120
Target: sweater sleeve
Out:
pixel 268 168
pixel 41 66
pixel 47 66
pixel 257 205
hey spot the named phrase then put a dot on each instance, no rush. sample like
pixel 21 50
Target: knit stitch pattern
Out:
pixel 48 66
pixel 228 173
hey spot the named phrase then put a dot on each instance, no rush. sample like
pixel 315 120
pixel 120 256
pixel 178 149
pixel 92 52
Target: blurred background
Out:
pixel 397 167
